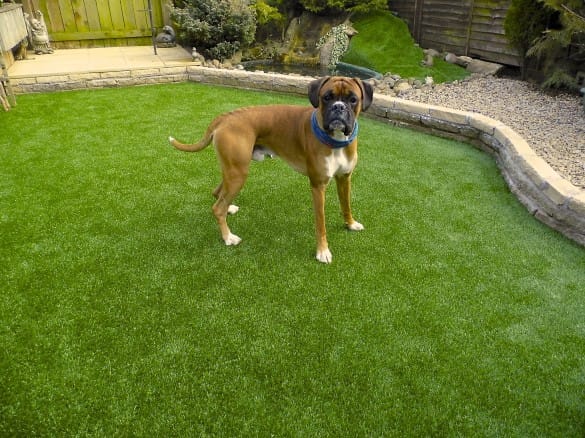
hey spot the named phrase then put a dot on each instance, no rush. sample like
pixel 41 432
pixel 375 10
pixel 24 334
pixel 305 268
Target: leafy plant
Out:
pixel 524 23
pixel 562 48
pixel 553 31
pixel 321 6
pixel 266 13
pixel 217 28
pixel 270 20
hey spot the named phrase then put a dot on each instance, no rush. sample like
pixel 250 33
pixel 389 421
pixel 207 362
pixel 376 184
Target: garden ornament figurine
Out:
pixel 39 36
pixel 333 45
pixel 197 56
pixel 319 142
pixel 166 38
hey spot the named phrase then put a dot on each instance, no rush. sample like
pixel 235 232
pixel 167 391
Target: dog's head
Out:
pixel 339 101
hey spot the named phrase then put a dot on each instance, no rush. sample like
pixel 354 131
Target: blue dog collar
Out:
pixel 325 138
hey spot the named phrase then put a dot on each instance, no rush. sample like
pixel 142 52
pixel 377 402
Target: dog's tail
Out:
pixel 195 147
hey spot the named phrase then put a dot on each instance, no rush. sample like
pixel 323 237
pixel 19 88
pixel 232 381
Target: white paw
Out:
pixel 324 256
pixel 233 209
pixel 232 239
pixel 356 226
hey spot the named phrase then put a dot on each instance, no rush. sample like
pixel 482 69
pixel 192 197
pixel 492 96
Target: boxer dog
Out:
pixel 319 142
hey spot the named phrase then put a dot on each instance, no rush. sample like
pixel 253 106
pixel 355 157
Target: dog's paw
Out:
pixel 233 209
pixel 232 240
pixel 324 256
pixel 355 226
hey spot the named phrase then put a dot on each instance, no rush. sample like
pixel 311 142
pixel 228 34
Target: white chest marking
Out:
pixel 338 164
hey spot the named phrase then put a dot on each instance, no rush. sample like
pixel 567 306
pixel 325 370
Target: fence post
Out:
pixel 417 20
pixel 469 26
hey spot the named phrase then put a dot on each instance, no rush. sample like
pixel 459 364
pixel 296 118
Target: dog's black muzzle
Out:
pixel 339 118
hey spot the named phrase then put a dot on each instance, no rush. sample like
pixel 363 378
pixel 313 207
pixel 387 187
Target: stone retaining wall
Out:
pixel 114 78
pixel 548 196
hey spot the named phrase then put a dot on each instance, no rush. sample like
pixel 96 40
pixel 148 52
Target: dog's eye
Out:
pixel 353 100
pixel 327 97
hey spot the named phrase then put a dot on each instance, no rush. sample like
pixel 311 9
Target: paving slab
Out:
pixel 99 60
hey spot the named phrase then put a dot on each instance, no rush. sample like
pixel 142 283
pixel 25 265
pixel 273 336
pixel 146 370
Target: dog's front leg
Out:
pixel 323 253
pixel 344 193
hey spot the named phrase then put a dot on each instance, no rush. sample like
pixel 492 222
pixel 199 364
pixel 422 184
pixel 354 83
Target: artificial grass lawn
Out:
pixel 385 44
pixel 122 312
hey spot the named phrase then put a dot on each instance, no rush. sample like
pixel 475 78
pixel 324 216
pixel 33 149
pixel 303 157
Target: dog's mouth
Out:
pixel 338 126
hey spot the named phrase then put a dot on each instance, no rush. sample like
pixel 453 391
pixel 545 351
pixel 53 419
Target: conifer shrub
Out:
pixel 525 21
pixel 552 32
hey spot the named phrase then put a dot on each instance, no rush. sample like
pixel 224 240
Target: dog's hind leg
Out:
pixel 232 209
pixel 234 151
pixel 228 190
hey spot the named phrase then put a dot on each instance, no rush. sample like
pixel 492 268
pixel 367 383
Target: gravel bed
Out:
pixel 552 124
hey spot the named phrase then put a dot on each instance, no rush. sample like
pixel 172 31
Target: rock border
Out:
pixel 546 194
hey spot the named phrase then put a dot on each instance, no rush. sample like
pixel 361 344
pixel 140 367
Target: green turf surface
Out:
pixel 454 313
pixel 384 44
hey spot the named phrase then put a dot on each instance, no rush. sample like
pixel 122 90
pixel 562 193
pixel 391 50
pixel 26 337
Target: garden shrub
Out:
pixel 324 6
pixel 217 28
pixel 561 48
pixel 553 31
pixel 524 23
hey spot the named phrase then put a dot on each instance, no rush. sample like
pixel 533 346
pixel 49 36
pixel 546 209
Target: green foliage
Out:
pixel 292 8
pixel 562 48
pixel 524 23
pixel 271 19
pixel 552 31
pixel 122 313
pixel 266 13
pixel 217 28
pixel 559 78
pixel 323 6
pixel 384 44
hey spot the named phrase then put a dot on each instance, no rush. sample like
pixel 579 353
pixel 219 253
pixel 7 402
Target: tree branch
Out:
pixel 570 11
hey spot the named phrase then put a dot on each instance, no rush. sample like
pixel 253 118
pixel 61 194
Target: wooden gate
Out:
pixel 98 23
pixel 465 27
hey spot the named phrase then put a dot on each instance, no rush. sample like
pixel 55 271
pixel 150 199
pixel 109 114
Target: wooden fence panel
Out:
pixel 407 11
pixel 464 27
pixel 67 16
pixel 487 36
pixel 96 23
pixel 93 16
pixel 80 17
pixel 118 16
pixel 444 24
pixel 12 27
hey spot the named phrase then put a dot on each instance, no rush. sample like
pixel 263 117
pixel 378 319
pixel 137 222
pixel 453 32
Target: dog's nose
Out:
pixel 339 107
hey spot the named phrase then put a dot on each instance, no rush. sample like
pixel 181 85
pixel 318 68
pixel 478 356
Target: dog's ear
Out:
pixel 314 88
pixel 367 93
